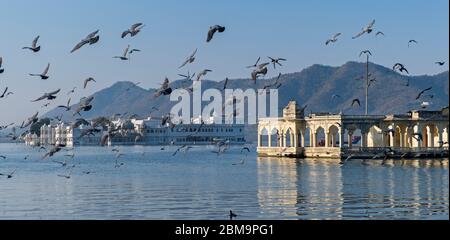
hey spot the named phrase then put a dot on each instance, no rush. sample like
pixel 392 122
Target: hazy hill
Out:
pixel 313 86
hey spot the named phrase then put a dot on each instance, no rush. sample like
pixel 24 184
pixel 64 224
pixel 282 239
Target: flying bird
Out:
pixel 31 120
pixel 333 38
pixel 277 84
pixel 44 74
pixel 92 38
pixel 188 76
pixel 164 90
pixel 178 150
pixel 71 91
pixel 190 59
pixel 344 161
pixel 85 105
pixel 400 67
pixel 256 64
pixel 368 29
pixel 438 63
pixel 411 41
pixel 4 93
pixel 134 30
pixel 1 69
pixel 67 106
pixel 356 101
pixel 418 137
pixel 367 52
pixel 202 73
pixel 8 176
pixel 379 33
pixel 90 79
pixel 53 151
pixel 134 50
pixel 225 84
pixel 34 46
pixel 213 30
pixel 259 71
pixel 124 56
pixel 48 96
pixel 232 215
pixel 424 105
pixel 276 61
pixel 422 92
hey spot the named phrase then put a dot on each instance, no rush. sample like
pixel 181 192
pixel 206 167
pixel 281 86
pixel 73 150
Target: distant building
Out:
pixel 417 133
pixel 140 132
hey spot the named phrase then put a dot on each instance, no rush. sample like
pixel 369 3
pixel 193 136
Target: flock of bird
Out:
pixel 257 70
pixel 106 124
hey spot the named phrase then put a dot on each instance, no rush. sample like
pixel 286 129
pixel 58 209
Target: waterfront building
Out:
pixel 417 133
pixel 141 132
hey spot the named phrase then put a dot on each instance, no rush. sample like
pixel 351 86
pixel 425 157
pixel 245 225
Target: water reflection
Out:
pixel 198 186
pixel 325 189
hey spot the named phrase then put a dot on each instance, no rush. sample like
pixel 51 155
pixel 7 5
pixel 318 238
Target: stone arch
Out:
pixel 320 137
pixel 353 136
pixel 429 133
pixel 289 138
pixel 375 137
pixel 333 136
pixel 264 138
pixel 275 138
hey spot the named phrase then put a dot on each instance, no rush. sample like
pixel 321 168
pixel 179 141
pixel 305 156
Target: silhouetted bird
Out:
pixel 34 46
pixel 213 30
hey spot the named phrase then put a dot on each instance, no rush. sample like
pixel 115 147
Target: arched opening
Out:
pixel 429 132
pixel 357 138
pixel 275 138
pixel 397 136
pixel 289 138
pixel 333 137
pixel 353 137
pixel 320 137
pixel 264 138
pixel 375 137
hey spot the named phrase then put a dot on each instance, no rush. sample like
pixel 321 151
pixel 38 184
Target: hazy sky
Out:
pixel 296 30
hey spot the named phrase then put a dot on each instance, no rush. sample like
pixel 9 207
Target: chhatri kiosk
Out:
pixel 415 134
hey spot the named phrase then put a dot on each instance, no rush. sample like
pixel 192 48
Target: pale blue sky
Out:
pixel 295 30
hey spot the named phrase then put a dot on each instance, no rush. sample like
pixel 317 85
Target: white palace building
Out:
pixel 415 134
pixel 141 132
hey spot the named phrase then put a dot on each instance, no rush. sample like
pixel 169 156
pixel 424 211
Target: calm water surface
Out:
pixel 152 184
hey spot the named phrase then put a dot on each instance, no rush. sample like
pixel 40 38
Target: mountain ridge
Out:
pixel 312 86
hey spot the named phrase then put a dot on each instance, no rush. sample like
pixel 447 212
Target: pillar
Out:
pixel 391 139
pixel 402 139
pixel 364 140
pixel 294 139
pixel 341 138
pixel 270 139
pixel 327 139
pixel 302 136
pixel 440 137
pixel 350 139
pixel 430 137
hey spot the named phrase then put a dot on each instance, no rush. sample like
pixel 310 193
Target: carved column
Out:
pixel 341 138
pixel 350 138
pixel 270 140
pixel 327 139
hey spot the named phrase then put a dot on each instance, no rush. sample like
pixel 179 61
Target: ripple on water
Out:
pixel 201 185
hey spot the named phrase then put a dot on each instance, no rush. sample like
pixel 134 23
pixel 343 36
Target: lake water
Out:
pixel 152 184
